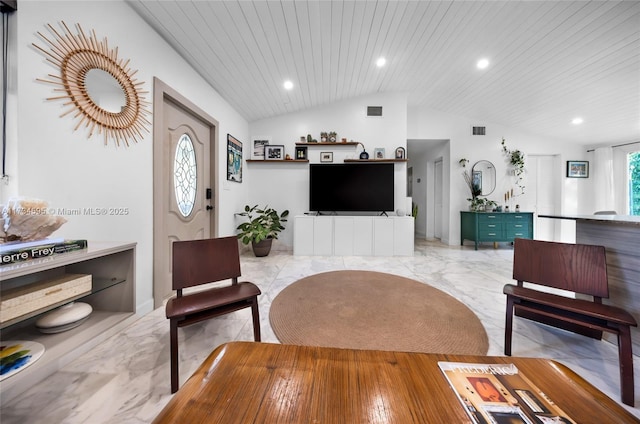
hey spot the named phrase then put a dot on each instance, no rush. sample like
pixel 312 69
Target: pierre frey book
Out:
pixel 498 393
pixel 13 253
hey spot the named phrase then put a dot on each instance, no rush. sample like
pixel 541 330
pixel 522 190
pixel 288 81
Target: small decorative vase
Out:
pixel 364 155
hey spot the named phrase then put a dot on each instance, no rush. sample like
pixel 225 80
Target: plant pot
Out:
pixel 262 248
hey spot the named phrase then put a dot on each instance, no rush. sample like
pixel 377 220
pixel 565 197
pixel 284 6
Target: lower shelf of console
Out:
pixel 60 348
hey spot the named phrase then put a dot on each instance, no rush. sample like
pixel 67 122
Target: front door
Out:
pixel 184 182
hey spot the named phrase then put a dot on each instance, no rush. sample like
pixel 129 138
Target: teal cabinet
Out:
pixel 495 226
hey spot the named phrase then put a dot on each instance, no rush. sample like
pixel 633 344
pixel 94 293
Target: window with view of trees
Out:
pixel 634 183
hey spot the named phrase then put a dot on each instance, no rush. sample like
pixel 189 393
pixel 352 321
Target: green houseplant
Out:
pixel 262 226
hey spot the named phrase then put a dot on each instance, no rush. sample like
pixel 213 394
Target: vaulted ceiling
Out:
pixel 550 61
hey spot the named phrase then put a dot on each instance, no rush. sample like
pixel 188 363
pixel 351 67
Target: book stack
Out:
pixel 11 253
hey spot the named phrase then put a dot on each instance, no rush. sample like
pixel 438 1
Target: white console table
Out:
pixel 353 235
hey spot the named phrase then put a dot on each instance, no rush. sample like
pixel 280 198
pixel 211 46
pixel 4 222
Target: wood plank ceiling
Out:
pixel 550 61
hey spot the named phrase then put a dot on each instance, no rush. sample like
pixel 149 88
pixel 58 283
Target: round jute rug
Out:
pixel 374 310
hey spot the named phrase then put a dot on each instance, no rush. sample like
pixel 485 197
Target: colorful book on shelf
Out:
pixel 499 393
pixel 40 250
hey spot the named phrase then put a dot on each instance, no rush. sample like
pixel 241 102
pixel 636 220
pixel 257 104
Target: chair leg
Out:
pixel 626 365
pixel 173 347
pixel 256 319
pixel 508 327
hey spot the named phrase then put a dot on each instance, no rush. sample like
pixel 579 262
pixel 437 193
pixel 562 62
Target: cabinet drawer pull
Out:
pixel 492 234
pixel 518 225
pixel 491 225
pixel 59 289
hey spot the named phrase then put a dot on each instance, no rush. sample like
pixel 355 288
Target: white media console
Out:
pixel 353 235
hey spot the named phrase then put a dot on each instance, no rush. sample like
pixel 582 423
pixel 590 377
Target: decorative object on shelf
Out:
pixel 333 137
pixel 274 152
pixel 400 153
pixel 262 228
pixel 20 301
pixel 84 62
pixel 64 318
pixel 326 157
pixel 344 139
pixel 577 169
pixel 311 139
pixel 301 152
pixel 303 139
pixel 363 155
pixel 378 153
pixel 234 159
pixel 324 137
pixel 257 146
pixel 16 355
pixel 287 157
pixel 516 159
pixel 27 219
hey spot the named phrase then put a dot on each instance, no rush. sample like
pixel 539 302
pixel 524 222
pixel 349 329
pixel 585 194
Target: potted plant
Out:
pixel 516 159
pixel 262 226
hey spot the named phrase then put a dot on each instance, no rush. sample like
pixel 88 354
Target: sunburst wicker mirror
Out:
pixel 75 55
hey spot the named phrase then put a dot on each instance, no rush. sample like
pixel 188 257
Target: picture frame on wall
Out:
pixel 234 159
pixel 378 153
pixel 577 169
pixel 301 152
pixel 400 153
pixel 326 156
pixel 257 146
pixel 273 152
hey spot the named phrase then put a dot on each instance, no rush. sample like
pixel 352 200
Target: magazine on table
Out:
pixel 498 393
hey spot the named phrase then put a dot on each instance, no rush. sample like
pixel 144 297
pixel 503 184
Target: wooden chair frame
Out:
pixel 197 262
pixel 577 268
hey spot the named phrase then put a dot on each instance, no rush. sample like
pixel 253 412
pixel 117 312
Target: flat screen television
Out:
pixel 351 187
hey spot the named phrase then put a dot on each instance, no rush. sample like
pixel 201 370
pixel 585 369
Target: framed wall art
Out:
pixel 273 152
pixel 378 153
pixel 234 159
pixel 257 147
pixel 577 169
pixel 326 157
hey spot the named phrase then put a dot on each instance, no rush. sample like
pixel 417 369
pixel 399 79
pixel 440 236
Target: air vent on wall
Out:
pixel 478 130
pixel 374 110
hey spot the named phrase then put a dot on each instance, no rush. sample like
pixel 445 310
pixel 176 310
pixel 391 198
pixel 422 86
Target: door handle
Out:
pixel 209 207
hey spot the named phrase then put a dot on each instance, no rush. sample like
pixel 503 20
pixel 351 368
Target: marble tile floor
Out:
pixel 125 379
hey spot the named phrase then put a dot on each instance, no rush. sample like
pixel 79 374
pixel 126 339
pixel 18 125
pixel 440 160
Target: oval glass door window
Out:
pixel 184 175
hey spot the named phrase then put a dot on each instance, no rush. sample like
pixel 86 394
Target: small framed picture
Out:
pixel 577 169
pixel 273 152
pixel 378 153
pixel 326 157
pixel 257 147
pixel 400 153
pixel 301 152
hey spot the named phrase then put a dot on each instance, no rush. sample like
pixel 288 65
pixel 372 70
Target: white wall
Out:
pixel 424 123
pixel 55 163
pixel 286 186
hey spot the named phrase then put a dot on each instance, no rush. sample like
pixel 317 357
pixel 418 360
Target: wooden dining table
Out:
pixel 251 382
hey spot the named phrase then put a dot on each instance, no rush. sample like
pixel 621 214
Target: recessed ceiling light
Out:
pixel 577 121
pixel 288 85
pixel 482 63
pixel 381 62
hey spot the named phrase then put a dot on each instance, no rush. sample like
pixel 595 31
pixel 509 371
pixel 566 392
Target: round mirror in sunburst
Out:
pixel 77 57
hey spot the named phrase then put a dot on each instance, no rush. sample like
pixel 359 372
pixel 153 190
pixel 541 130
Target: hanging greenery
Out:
pixel 516 159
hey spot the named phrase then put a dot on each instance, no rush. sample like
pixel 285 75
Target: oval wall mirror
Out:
pixel 484 177
pixel 100 88
pixel 105 91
